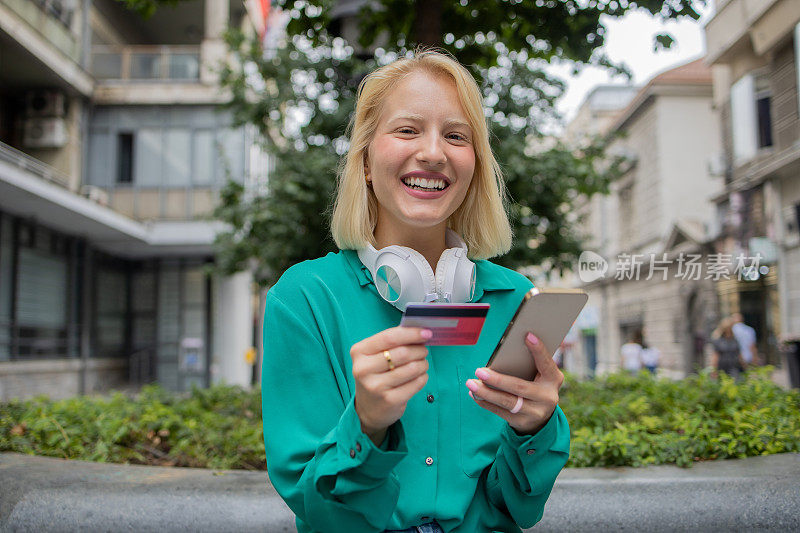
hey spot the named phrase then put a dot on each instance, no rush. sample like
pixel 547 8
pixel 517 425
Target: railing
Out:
pixel 150 63
pixel 33 165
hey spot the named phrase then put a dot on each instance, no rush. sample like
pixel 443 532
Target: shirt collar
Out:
pixel 488 277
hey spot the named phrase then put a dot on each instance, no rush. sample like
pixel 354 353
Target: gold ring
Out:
pixel 388 359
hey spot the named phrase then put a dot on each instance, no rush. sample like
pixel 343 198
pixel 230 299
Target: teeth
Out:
pixel 425 183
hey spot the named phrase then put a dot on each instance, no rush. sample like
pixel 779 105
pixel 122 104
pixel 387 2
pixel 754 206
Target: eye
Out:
pixel 458 136
pixel 406 130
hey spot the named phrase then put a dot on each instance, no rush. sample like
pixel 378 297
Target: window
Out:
pixel 125 158
pixel 751 120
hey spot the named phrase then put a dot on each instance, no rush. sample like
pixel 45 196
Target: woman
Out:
pixel 726 355
pixel 366 428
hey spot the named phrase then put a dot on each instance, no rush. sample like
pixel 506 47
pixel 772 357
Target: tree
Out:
pixel 306 90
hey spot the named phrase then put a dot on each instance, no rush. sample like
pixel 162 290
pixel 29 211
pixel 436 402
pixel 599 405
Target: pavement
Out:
pixel 43 495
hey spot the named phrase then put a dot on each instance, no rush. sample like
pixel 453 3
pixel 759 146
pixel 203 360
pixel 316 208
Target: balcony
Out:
pixel 33 166
pixel 146 63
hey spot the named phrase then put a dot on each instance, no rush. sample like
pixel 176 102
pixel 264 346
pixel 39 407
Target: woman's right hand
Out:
pixel 382 394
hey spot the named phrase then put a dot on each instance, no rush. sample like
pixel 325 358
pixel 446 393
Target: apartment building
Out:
pixel 113 147
pixel 658 213
pixel 754 53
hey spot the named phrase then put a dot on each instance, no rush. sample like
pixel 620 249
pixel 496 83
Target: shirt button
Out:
pixel 358 446
pixel 430 398
pixel 425 518
pixel 531 451
pixel 352 453
pixel 429 461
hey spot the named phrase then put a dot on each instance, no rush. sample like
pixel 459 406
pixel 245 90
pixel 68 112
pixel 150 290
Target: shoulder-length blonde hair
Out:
pixel 481 218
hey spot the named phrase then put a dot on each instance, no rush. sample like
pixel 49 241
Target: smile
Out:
pixel 425 184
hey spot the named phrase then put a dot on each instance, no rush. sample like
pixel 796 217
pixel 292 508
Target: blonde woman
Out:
pixel 366 428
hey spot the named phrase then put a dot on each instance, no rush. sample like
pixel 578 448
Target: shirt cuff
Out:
pixel 531 453
pixel 356 449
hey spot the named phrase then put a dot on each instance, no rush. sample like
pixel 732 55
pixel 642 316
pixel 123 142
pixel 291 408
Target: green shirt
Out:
pixel 446 459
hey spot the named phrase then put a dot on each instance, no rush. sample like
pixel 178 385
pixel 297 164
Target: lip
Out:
pixel 425 195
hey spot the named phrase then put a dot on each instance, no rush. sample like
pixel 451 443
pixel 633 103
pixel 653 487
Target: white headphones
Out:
pixel 402 275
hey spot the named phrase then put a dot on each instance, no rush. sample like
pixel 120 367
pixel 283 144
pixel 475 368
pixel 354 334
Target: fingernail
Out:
pixel 472 386
pixel 470 395
pixel 482 373
pixel 532 339
pixel 426 333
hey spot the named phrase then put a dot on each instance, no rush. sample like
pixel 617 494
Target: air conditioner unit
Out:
pixel 44 133
pixel 95 194
pixel 45 104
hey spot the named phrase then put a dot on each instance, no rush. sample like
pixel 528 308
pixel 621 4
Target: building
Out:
pixel 112 151
pixel 754 53
pixel 657 214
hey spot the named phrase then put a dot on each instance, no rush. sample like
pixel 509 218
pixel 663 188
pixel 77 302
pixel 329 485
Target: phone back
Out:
pixel 548 314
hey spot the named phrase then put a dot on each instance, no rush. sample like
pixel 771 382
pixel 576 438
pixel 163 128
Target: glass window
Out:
pixel 124 157
pixel 204 157
pixel 184 66
pixel 178 158
pixel 111 307
pixel 147 159
pixel 5 287
pixel 41 305
pixel 233 153
pixel 145 66
pixel 99 158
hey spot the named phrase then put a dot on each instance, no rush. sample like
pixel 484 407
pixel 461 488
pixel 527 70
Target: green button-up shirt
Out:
pixel 446 459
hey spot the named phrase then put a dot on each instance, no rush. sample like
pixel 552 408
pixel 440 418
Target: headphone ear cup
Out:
pixel 462 277
pixel 402 275
pixel 445 274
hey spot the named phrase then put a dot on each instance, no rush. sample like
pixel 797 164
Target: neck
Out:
pixel 430 242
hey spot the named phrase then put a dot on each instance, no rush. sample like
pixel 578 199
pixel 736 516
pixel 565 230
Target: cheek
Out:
pixel 391 156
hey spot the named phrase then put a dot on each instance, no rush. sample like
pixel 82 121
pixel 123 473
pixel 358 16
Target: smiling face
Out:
pixel 421 158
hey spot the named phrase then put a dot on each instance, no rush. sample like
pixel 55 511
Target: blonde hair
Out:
pixel 481 218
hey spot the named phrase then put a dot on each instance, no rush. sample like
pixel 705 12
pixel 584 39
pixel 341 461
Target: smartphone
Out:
pixel 548 314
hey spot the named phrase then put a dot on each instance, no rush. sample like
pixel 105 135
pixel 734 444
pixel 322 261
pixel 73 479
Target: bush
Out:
pixel 625 420
pixel 218 427
pixel 617 420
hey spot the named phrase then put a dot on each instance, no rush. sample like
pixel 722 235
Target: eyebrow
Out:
pixel 419 118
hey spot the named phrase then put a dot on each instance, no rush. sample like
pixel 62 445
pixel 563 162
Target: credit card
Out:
pixel 451 324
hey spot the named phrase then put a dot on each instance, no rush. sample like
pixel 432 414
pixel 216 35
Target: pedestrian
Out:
pixel 366 428
pixel 631 353
pixel 650 357
pixel 746 337
pixel 726 355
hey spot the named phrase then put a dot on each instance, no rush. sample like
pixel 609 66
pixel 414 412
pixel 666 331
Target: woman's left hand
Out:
pixel 533 401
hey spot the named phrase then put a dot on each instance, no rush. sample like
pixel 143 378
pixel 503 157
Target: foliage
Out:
pixel 626 420
pixel 218 427
pixel 147 8
pixel 619 420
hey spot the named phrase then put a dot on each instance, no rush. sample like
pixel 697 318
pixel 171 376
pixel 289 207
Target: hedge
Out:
pixel 617 420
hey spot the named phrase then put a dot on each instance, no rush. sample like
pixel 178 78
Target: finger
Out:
pixel 402 374
pixel 497 397
pixel 400 356
pixel 404 392
pixel 489 406
pixel 504 382
pixel 391 338
pixel 546 368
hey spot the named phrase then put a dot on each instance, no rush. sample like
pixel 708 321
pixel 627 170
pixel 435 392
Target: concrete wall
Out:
pixel 61 378
pixel 688 136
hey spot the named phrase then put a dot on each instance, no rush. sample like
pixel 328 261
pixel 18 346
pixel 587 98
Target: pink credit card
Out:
pixel 451 324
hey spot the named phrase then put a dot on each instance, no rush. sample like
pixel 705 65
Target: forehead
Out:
pixel 431 95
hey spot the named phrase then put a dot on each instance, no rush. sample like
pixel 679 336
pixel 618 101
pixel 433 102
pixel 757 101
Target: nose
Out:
pixel 431 150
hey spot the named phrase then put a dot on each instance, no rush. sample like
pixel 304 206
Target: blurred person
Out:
pixel 366 428
pixel 631 353
pixel 726 355
pixel 746 337
pixel 650 357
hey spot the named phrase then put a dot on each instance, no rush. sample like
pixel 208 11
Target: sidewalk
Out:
pixel 42 494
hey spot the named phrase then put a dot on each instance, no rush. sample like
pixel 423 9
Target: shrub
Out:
pixel 619 420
